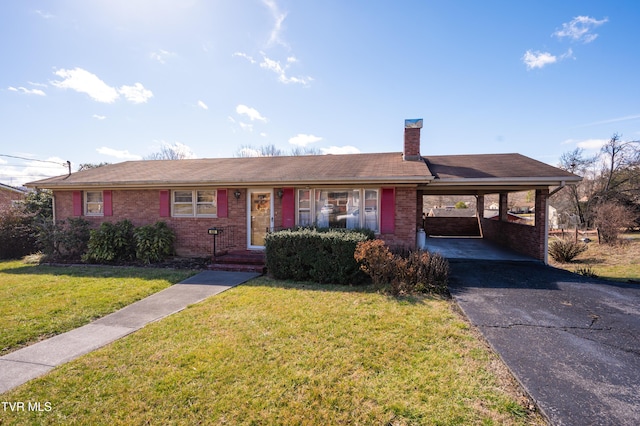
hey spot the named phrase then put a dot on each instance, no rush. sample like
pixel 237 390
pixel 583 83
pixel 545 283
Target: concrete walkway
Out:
pixel 33 361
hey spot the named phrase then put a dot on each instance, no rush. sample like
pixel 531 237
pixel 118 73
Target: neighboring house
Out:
pixel 10 196
pixel 247 197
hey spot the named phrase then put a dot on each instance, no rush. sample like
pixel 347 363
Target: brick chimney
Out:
pixel 412 139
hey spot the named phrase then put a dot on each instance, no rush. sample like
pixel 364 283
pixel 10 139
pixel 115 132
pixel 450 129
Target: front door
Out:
pixel 260 217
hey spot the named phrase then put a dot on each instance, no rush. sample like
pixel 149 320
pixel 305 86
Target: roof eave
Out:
pixel 370 180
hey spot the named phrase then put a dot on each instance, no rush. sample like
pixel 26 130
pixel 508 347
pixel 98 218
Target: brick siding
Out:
pixel 408 210
pixel 7 197
pixel 142 207
pixel 525 239
pixel 452 226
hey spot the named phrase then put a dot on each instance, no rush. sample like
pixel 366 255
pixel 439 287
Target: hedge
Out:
pixel 323 256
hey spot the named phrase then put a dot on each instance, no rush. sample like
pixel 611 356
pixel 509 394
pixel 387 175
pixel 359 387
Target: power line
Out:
pixel 33 159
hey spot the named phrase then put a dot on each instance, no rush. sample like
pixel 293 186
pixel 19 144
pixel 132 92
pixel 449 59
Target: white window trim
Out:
pixel 86 204
pixel 194 203
pixel 313 210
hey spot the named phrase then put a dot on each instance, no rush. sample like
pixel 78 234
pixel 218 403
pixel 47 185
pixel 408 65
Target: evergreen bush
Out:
pixel 305 254
pixel 112 242
pixel 17 234
pixel 154 243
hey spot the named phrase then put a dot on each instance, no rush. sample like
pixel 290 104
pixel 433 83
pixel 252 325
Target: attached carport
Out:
pixel 502 174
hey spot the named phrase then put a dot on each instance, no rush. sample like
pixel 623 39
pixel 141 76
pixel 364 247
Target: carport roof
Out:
pixel 485 173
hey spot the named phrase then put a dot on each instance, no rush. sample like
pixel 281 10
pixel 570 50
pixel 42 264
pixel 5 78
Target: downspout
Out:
pixel 562 185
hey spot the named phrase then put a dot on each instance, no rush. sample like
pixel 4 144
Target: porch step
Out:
pixel 248 261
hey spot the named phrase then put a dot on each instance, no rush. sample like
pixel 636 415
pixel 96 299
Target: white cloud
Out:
pixel 592 144
pixel 580 29
pixel 99 117
pixel 44 14
pixel 27 91
pixel 136 94
pixel 538 59
pixel 279 17
pixel 304 140
pixel 123 154
pixel 245 56
pixel 613 120
pixel 276 67
pixel 251 113
pixel 161 56
pixel 84 81
pixel 203 105
pixel 337 150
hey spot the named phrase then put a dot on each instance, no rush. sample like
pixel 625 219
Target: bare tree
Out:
pixel 272 151
pixel 298 151
pixel 576 163
pixel 87 166
pixel 176 151
pixel 611 218
pixel 261 151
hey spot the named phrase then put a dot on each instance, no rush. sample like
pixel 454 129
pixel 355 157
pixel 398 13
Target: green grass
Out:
pixel 41 301
pixel 270 352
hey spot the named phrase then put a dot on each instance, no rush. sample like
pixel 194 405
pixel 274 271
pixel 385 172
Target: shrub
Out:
pixel 586 271
pixel 611 218
pixel 324 256
pixel 376 260
pixel 63 240
pixel 563 250
pixel 17 234
pixel 111 243
pixel 154 243
pixel 405 271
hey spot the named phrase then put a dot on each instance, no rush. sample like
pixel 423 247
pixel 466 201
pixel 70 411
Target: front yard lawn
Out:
pixel 40 301
pixel 273 352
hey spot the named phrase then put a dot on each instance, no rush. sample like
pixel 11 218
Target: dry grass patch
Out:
pixel 619 262
pixel 270 352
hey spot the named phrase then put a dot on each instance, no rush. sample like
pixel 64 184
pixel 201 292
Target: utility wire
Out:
pixel 33 159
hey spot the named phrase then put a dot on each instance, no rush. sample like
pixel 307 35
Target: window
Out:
pixel 304 207
pixel 190 203
pixel 338 208
pixel 93 203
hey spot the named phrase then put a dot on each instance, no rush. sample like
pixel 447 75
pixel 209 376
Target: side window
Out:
pixel 93 203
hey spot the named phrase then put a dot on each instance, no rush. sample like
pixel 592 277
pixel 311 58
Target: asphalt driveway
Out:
pixel 573 342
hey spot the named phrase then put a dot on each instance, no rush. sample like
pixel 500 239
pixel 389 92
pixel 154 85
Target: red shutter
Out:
pixel 77 203
pixel 165 205
pixel 223 203
pixel 288 208
pixel 387 211
pixel 107 203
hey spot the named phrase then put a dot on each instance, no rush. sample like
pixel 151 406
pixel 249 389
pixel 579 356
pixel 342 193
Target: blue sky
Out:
pixel 115 80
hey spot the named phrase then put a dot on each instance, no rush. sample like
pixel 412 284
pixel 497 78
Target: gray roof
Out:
pixel 439 172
